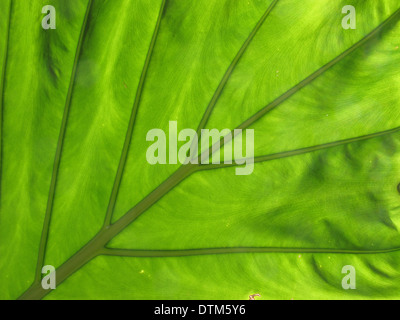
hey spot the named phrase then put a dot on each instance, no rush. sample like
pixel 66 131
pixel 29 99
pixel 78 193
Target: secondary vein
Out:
pixel 128 137
pixel 212 251
pixel 292 153
pixel 56 165
pixel 231 68
pixel 3 79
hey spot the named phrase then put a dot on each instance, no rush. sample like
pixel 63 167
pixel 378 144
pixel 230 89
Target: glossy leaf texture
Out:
pixel 78 193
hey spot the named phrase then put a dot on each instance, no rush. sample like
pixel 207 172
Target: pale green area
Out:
pixel 342 198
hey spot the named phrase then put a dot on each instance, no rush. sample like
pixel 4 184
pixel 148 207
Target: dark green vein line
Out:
pixel 296 152
pixel 56 165
pixel 319 72
pixel 128 138
pixel 231 68
pixel 3 79
pixel 212 251
pixel 303 83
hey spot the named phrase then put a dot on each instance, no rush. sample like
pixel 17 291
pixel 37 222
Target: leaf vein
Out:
pixel 232 67
pixel 57 160
pixel 3 79
pixel 212 251
pixel 296 152
pixel 129 133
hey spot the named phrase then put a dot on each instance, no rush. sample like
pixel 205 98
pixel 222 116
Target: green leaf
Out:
pixel 77 191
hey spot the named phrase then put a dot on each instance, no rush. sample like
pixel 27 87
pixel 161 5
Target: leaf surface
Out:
pixel 78 193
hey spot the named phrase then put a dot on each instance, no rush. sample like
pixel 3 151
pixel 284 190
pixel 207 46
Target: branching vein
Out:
pixel 97 245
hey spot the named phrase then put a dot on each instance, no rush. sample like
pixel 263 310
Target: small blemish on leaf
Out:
pixel 252 297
